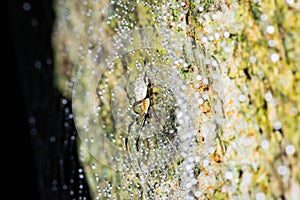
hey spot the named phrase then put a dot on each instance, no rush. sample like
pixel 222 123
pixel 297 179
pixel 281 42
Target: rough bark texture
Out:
pixel 253 45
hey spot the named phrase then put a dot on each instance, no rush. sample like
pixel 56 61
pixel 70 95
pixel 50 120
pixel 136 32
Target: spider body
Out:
pixel 145 110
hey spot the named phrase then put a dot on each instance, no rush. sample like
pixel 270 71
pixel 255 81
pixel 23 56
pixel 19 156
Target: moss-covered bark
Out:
pixel 252 46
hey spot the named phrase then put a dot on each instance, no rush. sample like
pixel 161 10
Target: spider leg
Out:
pixel 143 118
pixel 162 127
pixel 128 133
pixel 145 177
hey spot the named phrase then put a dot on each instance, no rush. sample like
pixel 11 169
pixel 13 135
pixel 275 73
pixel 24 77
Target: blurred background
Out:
pixel 41 159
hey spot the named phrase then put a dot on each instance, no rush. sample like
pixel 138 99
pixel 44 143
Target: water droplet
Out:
pixel 271 43
pixel 260 196
pixel 290 149
pixel 268 96
pixel 65 187
pixel 198 77
pixel 282 170
pixel 52 139
pixel 34 22
pixel 197 193
pixel 188 167
pixel 64 101
pixel 261 74
pixel 205 163
pixel 205 96
pixel 242 98
pixel 33 131
pixel 264 17
pixel 293 111
pixel 49 61
pixel 191 159
pixel 26 6
pixel 270 29
pixel 217 36
pixel 66 124
pixel 252 59
pixel 200 101
pixel 227 49
pixel 265 144
pixel 229 175
pixel 226 34
pixel 205 81
pixel 211 150
pixel 290 1
pixel 93 166
pixel 274 57
pixel 54 182
pixel 38 64
pixel 32 120
pixel 277 125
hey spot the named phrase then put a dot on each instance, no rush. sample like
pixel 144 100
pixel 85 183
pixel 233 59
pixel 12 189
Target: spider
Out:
pixel 154 97
pixel 144 108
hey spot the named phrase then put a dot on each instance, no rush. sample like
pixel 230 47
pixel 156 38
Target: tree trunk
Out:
pixel 238 58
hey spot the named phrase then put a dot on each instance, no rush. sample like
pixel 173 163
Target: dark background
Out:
pixel 39 156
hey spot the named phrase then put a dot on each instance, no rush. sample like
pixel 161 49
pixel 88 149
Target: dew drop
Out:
pixel 229 175
pixel 242 98
pixel 282 170
pixel 274 57
pixel 32 120
pixel 197 193
pixel 268 96
pixel 270 29
pixel 260 196
pixel 290 1
pixel 52 139
pixel 200 101
pixel 205 81
pixel 265 144
pixel 226 34
pixel 38 64
pixel 277 125
pixel 34 22
pixel 264 17
pixel 252 59
pixel 198 77
pixel 271 43
pixel 290 149
pixel 26 6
